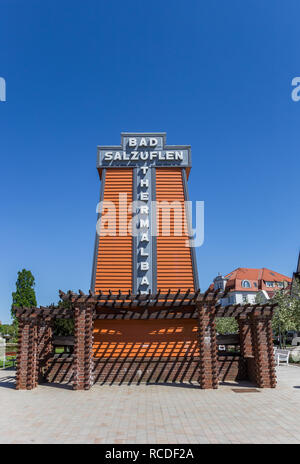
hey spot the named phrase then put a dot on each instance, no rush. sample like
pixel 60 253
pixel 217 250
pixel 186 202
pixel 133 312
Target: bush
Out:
pixel 226 325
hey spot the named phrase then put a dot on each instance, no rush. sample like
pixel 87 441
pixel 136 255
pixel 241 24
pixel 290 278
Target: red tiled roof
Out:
pixel 256 277
pixel 243 273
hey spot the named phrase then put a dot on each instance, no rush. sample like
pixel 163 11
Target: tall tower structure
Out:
pixel 143 227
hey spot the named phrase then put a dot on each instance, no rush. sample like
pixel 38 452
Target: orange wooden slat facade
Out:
pixel 174 262
pixel 114 254
pixel 135 339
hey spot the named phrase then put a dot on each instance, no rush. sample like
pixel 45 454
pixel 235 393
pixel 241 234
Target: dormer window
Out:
pixel 246 284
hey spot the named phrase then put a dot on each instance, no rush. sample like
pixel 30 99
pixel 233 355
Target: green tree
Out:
pixel 259 299
pixel 226 325
pixel 63 327
pixel 7 329
pixel 24 294
pixel 296 302
pixel 287 312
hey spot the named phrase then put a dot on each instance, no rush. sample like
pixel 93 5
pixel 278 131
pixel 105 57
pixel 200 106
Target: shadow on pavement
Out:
pixel 8 382
pixel 63 386
pixel 241 384
pixel 172 384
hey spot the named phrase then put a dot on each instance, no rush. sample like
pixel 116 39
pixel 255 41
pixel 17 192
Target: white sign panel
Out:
pixel 141 149
pixel 2 349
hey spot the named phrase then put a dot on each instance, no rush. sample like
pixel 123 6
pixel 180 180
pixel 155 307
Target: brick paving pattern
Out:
pixel 151 413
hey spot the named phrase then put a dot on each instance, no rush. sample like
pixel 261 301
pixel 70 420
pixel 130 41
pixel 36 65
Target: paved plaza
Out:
pixel 151 413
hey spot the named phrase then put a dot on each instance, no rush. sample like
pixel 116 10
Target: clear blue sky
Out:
pixel 213 74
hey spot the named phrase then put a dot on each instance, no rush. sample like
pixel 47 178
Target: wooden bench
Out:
pixel 282 356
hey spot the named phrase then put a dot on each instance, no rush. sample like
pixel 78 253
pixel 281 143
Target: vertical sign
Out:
pixel 144 236
pixel 143 152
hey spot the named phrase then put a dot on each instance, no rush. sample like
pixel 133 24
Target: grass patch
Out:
pixel 8 362
pixel 59 350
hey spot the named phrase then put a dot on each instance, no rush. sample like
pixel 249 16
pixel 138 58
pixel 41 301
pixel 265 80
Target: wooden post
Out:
pixel 245 335
pixel 45 347
pixel 208 366
pixel 265 371
pixel 27 357
pixel 83 348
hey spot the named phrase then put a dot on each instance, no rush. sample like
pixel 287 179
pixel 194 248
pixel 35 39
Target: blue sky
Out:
pixel 213 74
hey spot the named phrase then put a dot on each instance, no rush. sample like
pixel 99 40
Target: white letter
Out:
pixel 169 155
pixel 144 281
pixel 108 155
pixel 108 218
pixel 144 183
pixel 143 253
pixel 197 234
pixel 144 196
pixel 132 142
pixel 153 154
pixel 152 142
pixel 143 142
pixel 144 223
pixel 295 95
pixel 178 155
pixel 134 155
pixel 144 210
pixel 123 209
pixel 144 155
pixel 145 237
pixel 2 89
pixel 165 217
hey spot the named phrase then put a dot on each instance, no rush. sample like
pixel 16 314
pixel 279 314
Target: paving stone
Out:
pixel 151 414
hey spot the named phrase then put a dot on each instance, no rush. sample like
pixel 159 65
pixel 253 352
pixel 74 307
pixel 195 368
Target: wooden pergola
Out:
pixel 35 331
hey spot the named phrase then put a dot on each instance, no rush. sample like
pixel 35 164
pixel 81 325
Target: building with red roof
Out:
pixel 296 275
pixel 243 284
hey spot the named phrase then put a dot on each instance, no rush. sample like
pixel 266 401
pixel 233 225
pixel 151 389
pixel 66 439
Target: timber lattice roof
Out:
pixel 143 306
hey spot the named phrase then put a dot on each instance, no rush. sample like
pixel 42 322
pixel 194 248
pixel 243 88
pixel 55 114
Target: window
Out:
pixel 255 284
pixel 270 284
pixel 245 299
pixel 246 284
